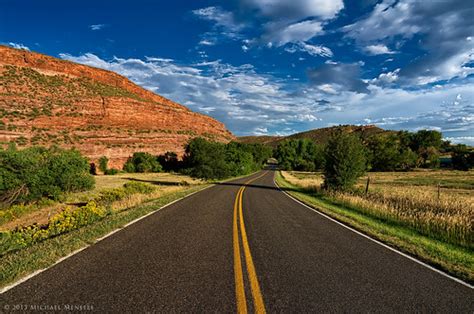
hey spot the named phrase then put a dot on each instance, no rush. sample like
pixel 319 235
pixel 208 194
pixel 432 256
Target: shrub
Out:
pixel 37 172
pixel 345 161
pixel 138 187
pixel 103 164
pixel 111 172
pixel 67 220
pixel 111 195
pixel 142 162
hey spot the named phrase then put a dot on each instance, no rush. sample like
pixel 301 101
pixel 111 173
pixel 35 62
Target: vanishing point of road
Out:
pixel 240 246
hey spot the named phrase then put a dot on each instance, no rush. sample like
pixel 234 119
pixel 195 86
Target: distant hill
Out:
pixel 45 101
pixel 320 136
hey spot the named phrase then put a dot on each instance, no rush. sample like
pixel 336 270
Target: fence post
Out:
pixel 439 190
pixel 367 185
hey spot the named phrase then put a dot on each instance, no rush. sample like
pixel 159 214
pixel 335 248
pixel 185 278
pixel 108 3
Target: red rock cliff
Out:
pixel 44 101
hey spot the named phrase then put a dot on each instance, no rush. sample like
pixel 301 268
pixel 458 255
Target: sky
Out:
pixel 274 67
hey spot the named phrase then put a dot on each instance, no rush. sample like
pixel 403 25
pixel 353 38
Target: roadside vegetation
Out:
pixel 47 194
pixel 428 213
pixel 438 238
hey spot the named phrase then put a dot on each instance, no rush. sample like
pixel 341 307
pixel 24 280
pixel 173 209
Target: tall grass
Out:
pixel 449 218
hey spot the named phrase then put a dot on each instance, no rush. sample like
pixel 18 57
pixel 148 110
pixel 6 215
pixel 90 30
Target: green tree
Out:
pixel 426 138
pixel 212 160
pixel 205 159
pixel 387 153
pixel 345 161
pixel 462 158
pixel 300 154
pixel 142 162
pixel 169 161
pixel 37 172
pixel 103 164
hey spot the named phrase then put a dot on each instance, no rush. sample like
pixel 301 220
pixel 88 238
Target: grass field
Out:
pixel 403 210
pixel 164 183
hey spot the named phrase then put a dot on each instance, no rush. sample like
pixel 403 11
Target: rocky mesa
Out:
pixel 46 101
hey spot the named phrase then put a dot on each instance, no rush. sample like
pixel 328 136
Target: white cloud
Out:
pixel 387 78
pixel 97 27
pixel 224 25
pixel 245 99
pixel 260 131
pixel 207 42
pixel 236 95
pixel 298 9
pixel 443 26
pixel 378 49
pixel 293 21
pixel 312 50
pixel 18 46
pixel 461 139
pixel 298 32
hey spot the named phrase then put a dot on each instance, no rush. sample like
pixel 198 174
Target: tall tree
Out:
pixel 345 161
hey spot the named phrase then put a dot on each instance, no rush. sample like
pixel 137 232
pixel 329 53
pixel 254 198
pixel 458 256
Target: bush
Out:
pixel 109 196
pixel 112 172
pixel 103 164
pixel 142 162
pixel 37 172
pixel 138 187
pixel 345 161
pixel 67 220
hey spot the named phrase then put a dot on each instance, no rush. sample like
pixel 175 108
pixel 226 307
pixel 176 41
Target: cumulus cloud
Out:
pixel 245 99
pixel 442 109
pixel 378 49
pixel 18 46
pixel 339 76
pixel 443 29
pixel 236 95
pixel 297 9
pixel 387 78
pixel 293 21
pixel 298 32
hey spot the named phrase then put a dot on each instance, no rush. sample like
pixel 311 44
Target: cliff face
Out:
pixel 45 101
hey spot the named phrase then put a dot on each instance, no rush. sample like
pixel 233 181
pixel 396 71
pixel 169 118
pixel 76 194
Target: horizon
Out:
pixel 267 68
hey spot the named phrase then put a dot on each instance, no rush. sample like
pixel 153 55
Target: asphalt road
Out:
pixel 230 248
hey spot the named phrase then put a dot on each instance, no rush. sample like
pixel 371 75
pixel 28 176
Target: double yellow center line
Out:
pixel 259 306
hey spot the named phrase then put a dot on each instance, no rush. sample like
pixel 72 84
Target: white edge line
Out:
pixel 39 271
pixel 376 241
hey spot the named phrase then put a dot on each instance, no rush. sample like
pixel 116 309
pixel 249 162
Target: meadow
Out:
pixel 439 204
pixel 40 212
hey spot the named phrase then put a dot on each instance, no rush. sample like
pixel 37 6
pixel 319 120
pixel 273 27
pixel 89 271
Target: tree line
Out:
pixel 34 173
pixel 347 156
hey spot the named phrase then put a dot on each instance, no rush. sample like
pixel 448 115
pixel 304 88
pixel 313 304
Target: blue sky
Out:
pixel 274 66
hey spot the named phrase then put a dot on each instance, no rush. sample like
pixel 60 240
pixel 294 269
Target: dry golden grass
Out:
pixel 411 198
pixel 164 183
